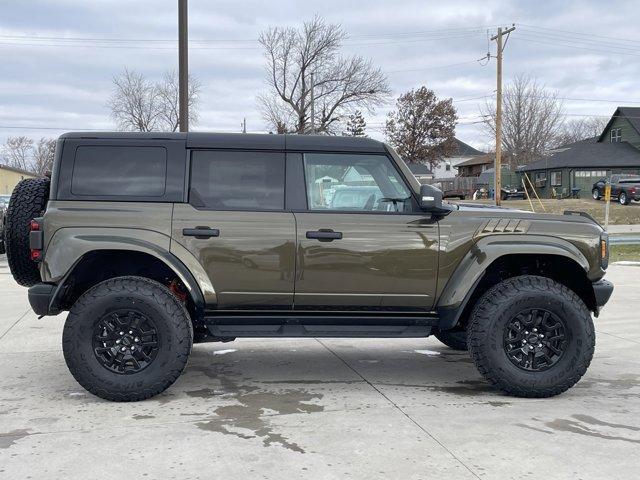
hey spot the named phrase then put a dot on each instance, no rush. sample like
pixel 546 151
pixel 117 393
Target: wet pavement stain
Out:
pixel 595 421
pixel 251 416
pixel 205 393
pixel 10 438
pixel 582 425
pixel 623 382
pixel 138 416
pixel 467 388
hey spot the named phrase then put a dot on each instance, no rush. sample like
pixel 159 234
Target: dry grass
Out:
pixel 618 214
pixel 624 252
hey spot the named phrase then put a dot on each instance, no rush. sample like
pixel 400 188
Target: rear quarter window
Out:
pixel 119 171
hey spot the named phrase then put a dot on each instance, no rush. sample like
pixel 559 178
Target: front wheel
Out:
pixel 596 194
pixel 531 337
pixel 127 339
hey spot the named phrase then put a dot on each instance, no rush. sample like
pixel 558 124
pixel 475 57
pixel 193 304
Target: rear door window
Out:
pixel 119 171
pixel 248 181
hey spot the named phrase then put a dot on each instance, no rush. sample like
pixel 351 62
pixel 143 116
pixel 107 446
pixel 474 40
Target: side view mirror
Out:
pixel 431 199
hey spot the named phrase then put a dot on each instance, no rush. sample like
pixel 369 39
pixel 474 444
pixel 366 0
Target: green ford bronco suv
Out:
pixel 155 241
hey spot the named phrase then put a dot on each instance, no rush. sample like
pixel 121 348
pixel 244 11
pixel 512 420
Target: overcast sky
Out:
pixel 58 57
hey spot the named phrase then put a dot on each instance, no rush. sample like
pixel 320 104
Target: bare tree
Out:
pixel 580 129
pixel 43 155
pixel 422 128
pixel 168 101
pixel 137 104
pixel 531 119
pixel 17 152
pixel 341 84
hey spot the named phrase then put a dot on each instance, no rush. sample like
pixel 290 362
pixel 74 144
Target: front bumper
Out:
pixel 602 290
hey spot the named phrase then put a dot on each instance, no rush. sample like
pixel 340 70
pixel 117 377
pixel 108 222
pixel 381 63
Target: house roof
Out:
pixel 484 159
pixel 589 154
pixel 17 170
pixel 419 169
pixel 631 114
pixel 465 150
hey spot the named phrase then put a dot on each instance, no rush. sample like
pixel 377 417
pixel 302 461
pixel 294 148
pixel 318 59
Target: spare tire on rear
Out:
pixel 28 201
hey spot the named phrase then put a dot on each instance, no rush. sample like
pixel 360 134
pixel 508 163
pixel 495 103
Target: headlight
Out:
pixel 604 250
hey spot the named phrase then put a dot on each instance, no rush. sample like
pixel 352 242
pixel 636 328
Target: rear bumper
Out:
pixel 40 296
pixel 602 290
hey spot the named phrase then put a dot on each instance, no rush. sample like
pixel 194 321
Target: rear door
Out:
pixel 362 242
pixel 236 225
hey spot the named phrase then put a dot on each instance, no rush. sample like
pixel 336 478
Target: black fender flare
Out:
pixel 472 268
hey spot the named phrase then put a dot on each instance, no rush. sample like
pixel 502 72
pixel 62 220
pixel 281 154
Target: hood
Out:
pixel 492 211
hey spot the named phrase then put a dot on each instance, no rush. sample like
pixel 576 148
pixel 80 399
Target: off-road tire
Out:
pixel 455 339
pixel 175 338
pixel 595 194
pixel 499 305
pixel 28 201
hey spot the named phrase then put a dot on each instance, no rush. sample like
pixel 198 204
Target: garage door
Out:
pixel 584 179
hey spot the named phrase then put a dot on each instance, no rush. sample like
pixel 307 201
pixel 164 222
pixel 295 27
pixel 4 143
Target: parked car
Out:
pixel 624 188
pixel 510 192
pixel 4 203
pixel 153 242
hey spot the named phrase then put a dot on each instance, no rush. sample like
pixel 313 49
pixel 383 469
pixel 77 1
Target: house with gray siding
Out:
pixel 579 165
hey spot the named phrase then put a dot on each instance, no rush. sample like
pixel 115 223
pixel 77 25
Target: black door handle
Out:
pixel 201 232
pixel 324 235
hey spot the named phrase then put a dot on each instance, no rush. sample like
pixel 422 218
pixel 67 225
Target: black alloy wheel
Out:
pixel 125 341
pixel 535 339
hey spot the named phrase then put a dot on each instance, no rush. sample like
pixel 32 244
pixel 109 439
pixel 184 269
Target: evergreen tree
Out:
pixel 356 125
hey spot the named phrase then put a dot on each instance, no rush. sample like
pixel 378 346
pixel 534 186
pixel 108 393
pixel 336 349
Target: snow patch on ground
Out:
pixel 628 263
pixel 431 353
pixel 224 352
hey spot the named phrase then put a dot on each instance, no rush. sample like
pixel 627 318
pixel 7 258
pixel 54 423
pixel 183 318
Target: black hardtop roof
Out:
pixel 245 140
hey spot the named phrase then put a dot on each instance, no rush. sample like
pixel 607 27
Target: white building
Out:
pixel 463 152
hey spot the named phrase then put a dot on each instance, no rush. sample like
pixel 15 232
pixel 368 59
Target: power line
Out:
pixel 578 33
pixel 556 44
pixel 435 67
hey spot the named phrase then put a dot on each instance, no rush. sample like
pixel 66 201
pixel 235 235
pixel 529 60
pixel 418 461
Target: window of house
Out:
pixel 556 178
pixel 616 135
pixel 447 167
pixel 237 180
pixel 540 179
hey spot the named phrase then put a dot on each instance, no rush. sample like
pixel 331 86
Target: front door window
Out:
pixel 354 183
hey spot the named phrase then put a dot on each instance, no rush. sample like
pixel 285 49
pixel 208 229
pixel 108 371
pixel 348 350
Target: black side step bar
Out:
pixel 320 325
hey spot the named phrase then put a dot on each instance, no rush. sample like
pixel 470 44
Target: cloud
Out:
pixel 417 42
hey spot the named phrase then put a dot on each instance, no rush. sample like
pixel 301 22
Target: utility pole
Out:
pixel 313 106
pixel 183 65
pixel 497 190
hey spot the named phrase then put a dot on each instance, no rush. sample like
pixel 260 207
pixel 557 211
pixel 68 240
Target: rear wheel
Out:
pixel 455 339
pixel 623 199
pixel 595 193
pixel 127 339
pixel 531 337
pixel 28 201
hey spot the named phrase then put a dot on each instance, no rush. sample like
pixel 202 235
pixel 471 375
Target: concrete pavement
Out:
pixel 319 409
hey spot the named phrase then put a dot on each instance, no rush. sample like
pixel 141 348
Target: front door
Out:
pixel 362 241
pixel 236 226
